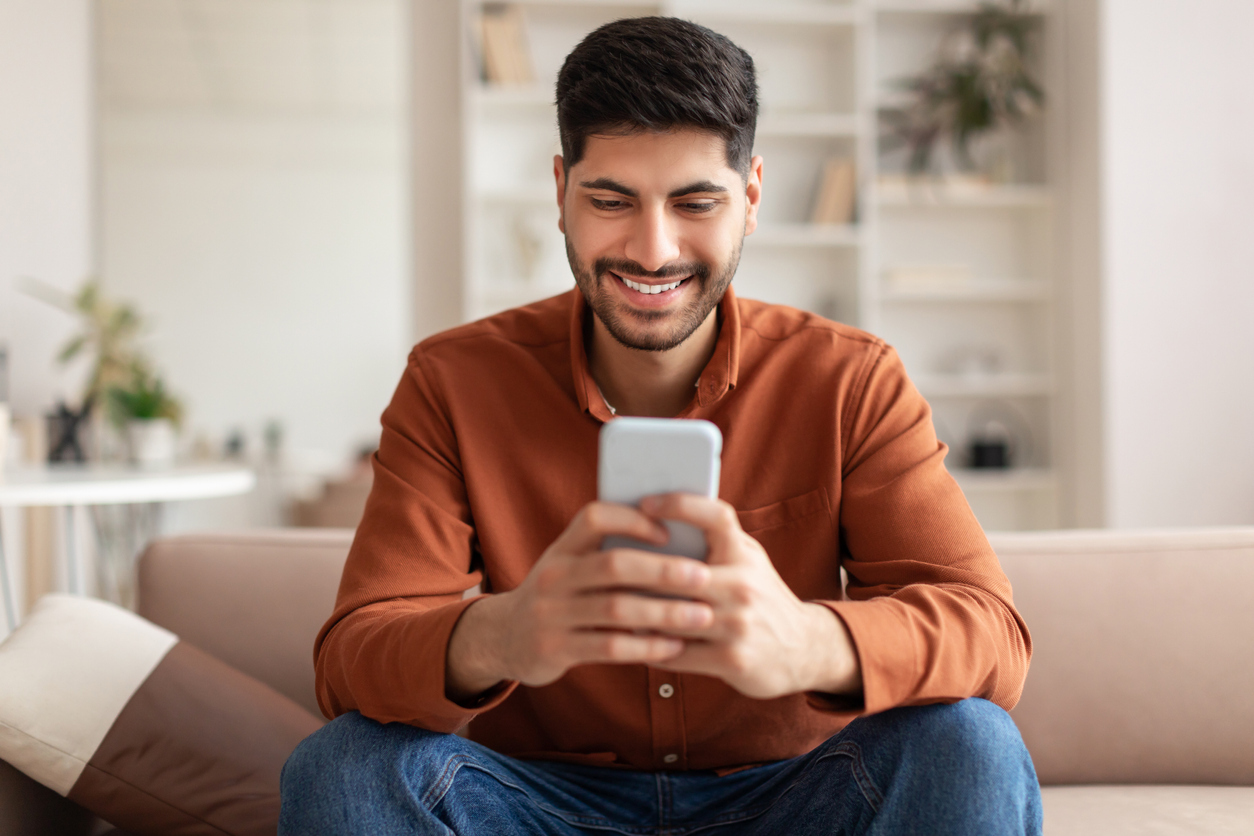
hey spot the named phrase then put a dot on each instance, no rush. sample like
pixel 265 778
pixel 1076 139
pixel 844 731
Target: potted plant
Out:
pixel 979 85
pixel 120 384
pixel 109 333
pixel 150 416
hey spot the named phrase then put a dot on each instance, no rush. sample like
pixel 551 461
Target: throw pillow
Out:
pixel 149 733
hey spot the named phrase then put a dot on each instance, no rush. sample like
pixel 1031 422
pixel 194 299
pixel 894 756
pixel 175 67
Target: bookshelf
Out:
pixel 956 274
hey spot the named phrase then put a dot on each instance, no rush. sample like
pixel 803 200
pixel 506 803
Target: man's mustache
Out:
pixel 633 270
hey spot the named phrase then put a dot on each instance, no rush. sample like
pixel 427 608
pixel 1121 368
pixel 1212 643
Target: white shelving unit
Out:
pixel 980 341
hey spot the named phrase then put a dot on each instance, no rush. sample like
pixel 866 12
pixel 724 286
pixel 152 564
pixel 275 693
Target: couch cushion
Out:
pixel 1143 654
pixel 29 809
pixel 1157 810
pixel 142 729
pixel 255 600
pixel 65 676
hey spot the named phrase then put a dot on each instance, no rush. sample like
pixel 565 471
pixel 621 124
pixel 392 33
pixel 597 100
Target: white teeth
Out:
pixel 654 288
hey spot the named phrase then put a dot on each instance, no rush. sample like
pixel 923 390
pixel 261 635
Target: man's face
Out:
pixel 654 223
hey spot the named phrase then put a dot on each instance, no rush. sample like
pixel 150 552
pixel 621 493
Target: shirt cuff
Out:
pixel 439 713
pixel 885 649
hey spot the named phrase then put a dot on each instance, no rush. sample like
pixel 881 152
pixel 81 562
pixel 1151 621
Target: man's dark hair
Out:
pixel 657 74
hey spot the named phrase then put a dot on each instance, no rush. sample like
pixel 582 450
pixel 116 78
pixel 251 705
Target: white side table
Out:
pixel 73 486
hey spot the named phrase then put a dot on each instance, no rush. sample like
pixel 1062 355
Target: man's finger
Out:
pixel 617 568
pixel 630 611
pixel 597 520
pixel 703 657
pixel 713 516
pixel 597 646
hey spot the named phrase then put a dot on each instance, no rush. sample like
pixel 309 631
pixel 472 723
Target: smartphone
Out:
pixel 640 457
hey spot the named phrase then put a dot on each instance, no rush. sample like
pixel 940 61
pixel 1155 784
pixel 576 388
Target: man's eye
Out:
pixel 697 207
pixel 607 204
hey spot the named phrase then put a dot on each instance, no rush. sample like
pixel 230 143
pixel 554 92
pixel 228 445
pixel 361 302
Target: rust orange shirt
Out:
pixel 489 447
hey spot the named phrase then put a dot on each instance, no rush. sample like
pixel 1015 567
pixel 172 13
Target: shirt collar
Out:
pixel 717 378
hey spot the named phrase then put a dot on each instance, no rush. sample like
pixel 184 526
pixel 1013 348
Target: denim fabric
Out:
pixel 935 770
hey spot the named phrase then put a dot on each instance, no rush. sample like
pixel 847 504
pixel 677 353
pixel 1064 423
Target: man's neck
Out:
pixel 657 384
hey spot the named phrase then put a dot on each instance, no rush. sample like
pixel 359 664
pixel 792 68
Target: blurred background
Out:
pixel 1042 205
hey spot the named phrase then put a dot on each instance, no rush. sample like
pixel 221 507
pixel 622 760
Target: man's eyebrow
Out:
pixel 605 184
pixel 697 188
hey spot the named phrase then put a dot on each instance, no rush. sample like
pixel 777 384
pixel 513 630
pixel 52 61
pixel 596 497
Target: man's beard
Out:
pixel 710 290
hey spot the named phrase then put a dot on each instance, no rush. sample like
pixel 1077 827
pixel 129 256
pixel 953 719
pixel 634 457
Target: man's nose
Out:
pixel 653 241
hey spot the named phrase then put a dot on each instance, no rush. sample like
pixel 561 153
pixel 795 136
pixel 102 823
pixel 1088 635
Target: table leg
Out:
pixel 10 608
pixel 73 570
pixel 102 527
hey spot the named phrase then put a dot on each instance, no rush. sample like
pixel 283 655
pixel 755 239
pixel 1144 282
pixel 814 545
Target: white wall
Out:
pixel 254 204
pixel 1178 324
pixel 270 258
pixel 46 180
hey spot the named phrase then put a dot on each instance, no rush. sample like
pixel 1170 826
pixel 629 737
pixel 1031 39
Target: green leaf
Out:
pixel 72 349
pixel 144 398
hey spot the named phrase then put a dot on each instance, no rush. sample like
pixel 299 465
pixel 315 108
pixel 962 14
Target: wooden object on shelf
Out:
pixel 834 202
pixel 40 537
pixel 503 40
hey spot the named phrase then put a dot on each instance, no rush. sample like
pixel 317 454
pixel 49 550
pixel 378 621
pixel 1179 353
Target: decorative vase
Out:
pixel 152 441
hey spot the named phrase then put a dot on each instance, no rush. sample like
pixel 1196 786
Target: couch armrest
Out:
pixel 1143 660
pixel 255 599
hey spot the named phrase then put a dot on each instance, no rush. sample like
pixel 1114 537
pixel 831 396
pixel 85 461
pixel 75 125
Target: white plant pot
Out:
pixel 152 441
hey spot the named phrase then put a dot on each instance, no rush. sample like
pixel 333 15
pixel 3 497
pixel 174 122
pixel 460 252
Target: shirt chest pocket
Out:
pixel 799 534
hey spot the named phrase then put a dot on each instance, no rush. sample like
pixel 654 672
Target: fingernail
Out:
pixel 696 574
pixel 694 616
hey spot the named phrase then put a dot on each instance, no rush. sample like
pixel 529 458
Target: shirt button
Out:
pixel 666 691
pixel 670 758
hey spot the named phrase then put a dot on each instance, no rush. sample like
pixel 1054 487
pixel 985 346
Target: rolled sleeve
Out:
pixel 383 652
pixel 927 605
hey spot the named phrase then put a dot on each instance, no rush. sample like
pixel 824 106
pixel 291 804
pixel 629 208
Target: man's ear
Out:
pixel 753 194
pixel 559 174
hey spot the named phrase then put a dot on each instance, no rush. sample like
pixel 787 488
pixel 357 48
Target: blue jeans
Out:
pixel 935 770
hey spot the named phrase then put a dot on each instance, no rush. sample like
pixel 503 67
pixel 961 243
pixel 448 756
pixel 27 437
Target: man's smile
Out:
pixel 650 293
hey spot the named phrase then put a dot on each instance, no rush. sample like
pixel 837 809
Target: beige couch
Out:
pixel 1138 710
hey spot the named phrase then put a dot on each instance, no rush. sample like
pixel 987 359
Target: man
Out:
pixel 759 697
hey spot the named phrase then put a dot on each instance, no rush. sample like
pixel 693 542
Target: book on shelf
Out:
pixel 503 45
pixel 834 202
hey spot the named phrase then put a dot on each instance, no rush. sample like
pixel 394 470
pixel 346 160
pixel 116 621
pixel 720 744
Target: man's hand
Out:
pixel 580 605
pixel 763 640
